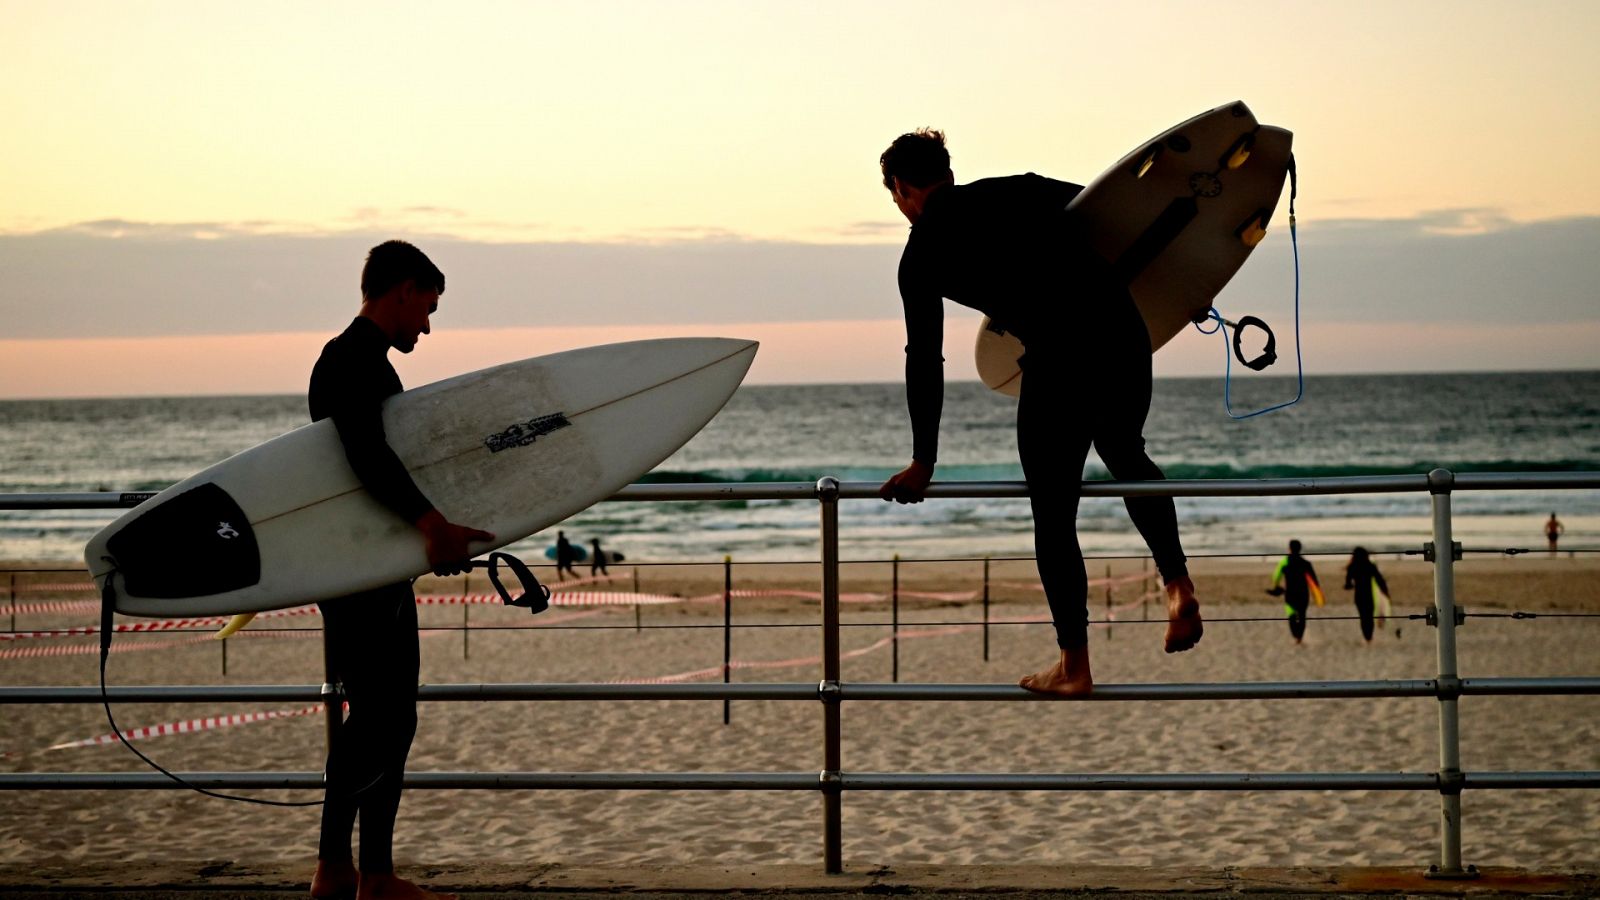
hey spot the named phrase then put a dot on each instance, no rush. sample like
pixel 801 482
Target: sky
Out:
pixel 187 190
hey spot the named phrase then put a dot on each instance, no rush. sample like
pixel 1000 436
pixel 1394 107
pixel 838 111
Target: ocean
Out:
pixel 1345 425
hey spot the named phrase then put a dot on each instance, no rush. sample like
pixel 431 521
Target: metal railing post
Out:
pixel 894 628
pixel 727 634
pixel 830 778
pixel 1440 482
pixel 332 696
pixel 986 609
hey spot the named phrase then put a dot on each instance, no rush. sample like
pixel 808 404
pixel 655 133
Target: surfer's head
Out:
pixel 913 167
pixel 1294 546
pixel 400 290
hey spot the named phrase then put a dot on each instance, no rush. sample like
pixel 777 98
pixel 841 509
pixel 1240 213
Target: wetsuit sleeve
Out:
pixel 1277 574
pixel 924 313
pixel 1311 573
pixel 355 404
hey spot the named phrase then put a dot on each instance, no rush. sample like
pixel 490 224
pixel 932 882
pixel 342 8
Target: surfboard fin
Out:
pixel 234 624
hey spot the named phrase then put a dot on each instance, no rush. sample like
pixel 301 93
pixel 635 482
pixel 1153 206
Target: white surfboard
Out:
pixel 510 449
pixel 1175 218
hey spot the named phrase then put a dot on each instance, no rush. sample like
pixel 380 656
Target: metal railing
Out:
pixel 1447 687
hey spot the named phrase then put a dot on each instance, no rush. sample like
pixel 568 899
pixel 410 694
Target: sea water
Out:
pixel 1345 425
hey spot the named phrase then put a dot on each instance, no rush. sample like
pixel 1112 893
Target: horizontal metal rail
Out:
pixel 811 781
pixel 1244 690
pixel 864 490
pixel 1448 780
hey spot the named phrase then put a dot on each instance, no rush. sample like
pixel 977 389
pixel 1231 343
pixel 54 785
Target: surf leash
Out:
pixel 535 597
pixel 108 607
pixel 1269 354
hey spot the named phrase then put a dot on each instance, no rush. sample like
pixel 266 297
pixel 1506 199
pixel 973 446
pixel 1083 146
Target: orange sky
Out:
pixel 578 124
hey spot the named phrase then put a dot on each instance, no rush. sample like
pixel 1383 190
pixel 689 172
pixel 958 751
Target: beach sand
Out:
pixel 1538 829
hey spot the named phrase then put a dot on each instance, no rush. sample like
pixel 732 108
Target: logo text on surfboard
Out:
pixel 524 433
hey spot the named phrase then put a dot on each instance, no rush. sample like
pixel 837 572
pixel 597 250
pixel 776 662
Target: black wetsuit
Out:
pixel 371 636
pixel 1005 247
pixel 1297 592
pixel 1359 576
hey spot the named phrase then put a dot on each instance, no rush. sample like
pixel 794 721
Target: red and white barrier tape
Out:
pixel 91 649
pixel 191 726
pixel 50 606
pixel 714 671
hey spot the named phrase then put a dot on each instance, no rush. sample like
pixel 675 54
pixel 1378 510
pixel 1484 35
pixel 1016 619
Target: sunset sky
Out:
pixel 188 189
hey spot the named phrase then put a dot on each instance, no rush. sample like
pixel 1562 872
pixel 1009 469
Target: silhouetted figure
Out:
pixel 372 636
pixel 566 555
pixel 1371 591
pixel 1295 580
pixel 1007 247
pixel 1553 530
pixel 597 562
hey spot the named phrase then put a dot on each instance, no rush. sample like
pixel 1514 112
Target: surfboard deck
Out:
pixel 1175 218
pixel 510 449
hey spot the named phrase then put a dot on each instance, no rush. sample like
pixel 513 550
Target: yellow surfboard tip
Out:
pixel 234 624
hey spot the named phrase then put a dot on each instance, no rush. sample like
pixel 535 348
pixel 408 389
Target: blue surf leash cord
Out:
pixel 1227 357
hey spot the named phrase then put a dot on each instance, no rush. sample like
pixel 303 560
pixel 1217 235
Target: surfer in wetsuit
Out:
pixel 1293 580
pixel 1007 247
pixel 1362 576
pixel 372 636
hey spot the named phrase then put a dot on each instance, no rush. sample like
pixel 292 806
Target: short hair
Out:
pixel 393 263
pixel 918 158
pixel 1294 546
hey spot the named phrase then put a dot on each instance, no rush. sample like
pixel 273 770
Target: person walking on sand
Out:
pixel 1553 530
pixel 1008 248
pixel 565 556
pixel 1295 580
pixel 597 563
pixel 1371 591
pixel 372 636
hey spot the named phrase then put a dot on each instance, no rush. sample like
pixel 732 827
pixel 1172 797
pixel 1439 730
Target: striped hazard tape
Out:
pixel 191 726
pixel 90 649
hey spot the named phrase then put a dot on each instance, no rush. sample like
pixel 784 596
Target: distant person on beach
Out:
pixel 1553 530
pixel 1006 247
pixel 1294 580
pixel 565 557
pixel 372 636
pixel 597 562
pixel 1371 591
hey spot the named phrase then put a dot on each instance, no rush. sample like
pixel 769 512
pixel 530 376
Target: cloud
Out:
pixel 116 278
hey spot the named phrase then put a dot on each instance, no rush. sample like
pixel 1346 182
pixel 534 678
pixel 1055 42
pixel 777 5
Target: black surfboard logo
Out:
pixel 524 433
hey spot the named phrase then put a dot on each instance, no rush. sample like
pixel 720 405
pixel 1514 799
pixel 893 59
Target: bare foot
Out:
pixel 334 880
pixel 392 887
pixel 1184 626
pixel 1069 677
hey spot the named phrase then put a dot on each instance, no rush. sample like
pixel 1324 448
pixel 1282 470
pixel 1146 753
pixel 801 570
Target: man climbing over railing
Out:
pixel 1006 247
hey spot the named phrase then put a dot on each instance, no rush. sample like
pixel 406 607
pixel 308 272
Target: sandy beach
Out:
pixel 1246 640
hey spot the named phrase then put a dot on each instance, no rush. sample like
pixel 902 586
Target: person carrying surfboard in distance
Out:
pixel 1295 580
pixel 1008 248
pixel 372 636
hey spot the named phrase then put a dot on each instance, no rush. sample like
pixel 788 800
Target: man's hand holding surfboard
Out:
pixel 446 543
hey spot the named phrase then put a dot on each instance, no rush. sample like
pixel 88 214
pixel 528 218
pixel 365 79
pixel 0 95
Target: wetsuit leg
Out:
pixel 1121 403
pixel 1053 447
pixel 1297 619
pixel 1364 608
pixel 372 639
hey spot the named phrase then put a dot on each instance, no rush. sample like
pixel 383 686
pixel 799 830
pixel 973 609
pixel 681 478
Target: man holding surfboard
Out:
pixel 1006 247
pixel 372 636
